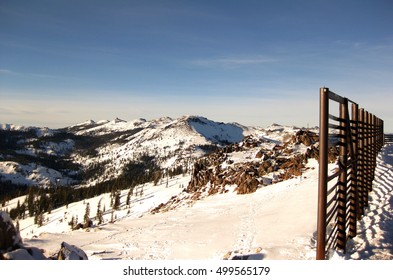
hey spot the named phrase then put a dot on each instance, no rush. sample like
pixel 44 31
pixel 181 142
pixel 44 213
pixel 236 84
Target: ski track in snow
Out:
pixel 246 232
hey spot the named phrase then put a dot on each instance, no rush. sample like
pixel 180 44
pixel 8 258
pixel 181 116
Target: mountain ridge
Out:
pixel 173 142
pixel 102 152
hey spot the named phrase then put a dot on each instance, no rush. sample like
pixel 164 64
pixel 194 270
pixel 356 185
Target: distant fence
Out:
pixel 389 138
pixel 357 136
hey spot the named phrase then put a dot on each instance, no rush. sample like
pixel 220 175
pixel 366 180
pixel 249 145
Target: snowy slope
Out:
pixel 39 131
pixel 103 127
pixel 214 228
pixel 32 174
pixel 276 222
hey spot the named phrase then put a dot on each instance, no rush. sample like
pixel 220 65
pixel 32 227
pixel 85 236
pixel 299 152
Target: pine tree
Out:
pixel 30 202
pixel 72 222
pixel 99 214
pixel 86 217
pixel 128 198
pixel 22 212
pixel 17 226
pixel 75 224
pixel 116 202
pixel 112 217
pixel 50 207
pixel 39 218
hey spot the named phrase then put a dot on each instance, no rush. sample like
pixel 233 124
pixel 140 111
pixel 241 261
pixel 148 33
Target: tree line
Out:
pixel 39 200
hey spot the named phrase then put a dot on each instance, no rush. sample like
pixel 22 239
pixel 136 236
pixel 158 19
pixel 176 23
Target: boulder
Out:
pixel 25 253
pixel 71 252
pixel 9 236
pixel 12 248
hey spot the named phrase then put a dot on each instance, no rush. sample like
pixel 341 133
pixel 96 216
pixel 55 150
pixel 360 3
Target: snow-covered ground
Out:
pixel 375 231
pixel 278 222
pixel 273 223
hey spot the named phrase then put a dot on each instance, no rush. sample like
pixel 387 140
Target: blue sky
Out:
pixel 252 62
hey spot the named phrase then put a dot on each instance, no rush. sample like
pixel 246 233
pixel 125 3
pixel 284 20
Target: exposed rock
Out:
pixel 26 253
pixel 248 175
pixel 305 137
pixel 250 185
pixel 12 248
pixel 9 236
pixel 271 163
pixel 71 252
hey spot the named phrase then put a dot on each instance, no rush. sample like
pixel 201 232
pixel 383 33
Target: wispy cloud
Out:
pixel 5 72
pixel 233 62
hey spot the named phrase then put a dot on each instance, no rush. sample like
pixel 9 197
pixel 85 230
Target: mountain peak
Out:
pixel 117 120
pixel 216 131
pixel 8 126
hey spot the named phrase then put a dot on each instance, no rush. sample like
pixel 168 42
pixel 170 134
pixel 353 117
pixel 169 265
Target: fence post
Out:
pixel 374 145
pixel 323 171
pixel 342 181
pixel 354 198
pixel 365 163
pixel 367 155
pixel 361 182
pixel 382 136
pixel 370 152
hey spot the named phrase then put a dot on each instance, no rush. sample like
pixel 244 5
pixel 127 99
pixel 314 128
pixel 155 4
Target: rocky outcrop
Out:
pixel 12 247
pixel 305 137
pixel 271 162
pixel 210 175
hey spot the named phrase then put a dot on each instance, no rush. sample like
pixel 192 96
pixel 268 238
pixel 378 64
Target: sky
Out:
pixel 255 62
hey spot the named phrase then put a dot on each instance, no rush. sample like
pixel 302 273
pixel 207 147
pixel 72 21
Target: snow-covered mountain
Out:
pixel 98 151
pixel 93 152
pixel 143 167
pixel 174 143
